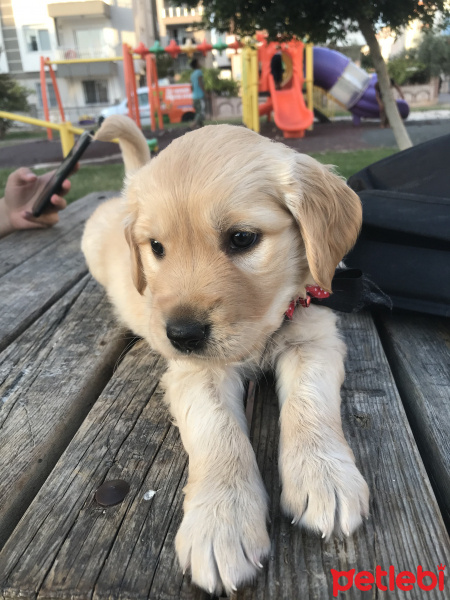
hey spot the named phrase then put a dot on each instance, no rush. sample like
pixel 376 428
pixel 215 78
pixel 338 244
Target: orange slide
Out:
pixel 290 112
pixel 287 104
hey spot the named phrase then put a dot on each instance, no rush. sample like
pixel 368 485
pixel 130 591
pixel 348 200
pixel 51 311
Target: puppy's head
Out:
pixel 225 228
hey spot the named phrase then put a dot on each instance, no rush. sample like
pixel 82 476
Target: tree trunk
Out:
pixel 398 128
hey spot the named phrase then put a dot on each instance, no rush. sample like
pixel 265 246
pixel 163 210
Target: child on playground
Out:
pixel 198 94
pixel 276 68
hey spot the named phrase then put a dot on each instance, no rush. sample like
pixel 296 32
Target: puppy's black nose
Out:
pixel 187 336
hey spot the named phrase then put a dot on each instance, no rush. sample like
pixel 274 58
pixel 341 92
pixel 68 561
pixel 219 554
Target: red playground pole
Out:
pixel 151 98
pixel 58 97
pixel 158 99
pixel 128 75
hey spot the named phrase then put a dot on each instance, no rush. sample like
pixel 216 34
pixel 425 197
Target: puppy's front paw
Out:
pixel 223 540
pixel 323 492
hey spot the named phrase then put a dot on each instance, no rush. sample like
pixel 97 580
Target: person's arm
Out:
pixel 22 188
pixel 201 84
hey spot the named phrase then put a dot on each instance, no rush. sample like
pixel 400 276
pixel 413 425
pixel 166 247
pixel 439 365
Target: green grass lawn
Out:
pixel 348 163
pixel 26 134
pixel 100 178
pixel 16 137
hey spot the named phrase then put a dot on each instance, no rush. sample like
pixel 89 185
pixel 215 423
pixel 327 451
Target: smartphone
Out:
pixel 61 173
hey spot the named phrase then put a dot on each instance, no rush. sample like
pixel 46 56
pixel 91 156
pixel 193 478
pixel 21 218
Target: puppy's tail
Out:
pixel 133 144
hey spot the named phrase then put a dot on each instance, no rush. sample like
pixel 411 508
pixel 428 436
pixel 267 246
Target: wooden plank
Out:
pixel 23 245
pixel 404 529
pixel 418 349
pixel 49 378
pixel 66 546
pixel 30 288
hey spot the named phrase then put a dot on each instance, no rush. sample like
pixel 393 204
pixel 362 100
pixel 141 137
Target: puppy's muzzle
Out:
pixel 187 336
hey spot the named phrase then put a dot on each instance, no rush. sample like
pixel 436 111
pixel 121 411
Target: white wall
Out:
pixel 67 35
pixel 32 13
pixel 4 68
pixel 116 30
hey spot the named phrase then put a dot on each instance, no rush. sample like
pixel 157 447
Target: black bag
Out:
pixel 404 246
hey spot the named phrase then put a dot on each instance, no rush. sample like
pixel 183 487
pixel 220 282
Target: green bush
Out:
pixel 13 98
pixel 406 69
pixel 434 53
pixel 213 82
pixel 417 65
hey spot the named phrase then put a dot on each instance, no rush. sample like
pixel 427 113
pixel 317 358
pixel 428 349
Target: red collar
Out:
pixel 311 291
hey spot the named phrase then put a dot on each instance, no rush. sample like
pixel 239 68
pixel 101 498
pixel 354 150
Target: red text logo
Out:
pixel 388 580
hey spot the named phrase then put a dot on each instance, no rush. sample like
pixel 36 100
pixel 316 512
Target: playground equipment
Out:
pixel 66 129
pixel 250 113
pixel 349 86
pixel 172 98
pixel 175 101
pixel 154 96
pixel 291 114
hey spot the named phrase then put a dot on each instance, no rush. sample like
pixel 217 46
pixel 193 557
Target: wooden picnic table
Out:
pixel 81 404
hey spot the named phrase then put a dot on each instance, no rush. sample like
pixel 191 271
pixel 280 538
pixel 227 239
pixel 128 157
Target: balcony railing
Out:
pixel 181 11
pixel 74 52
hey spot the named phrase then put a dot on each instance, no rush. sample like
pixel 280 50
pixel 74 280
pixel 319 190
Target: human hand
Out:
pixel 22 189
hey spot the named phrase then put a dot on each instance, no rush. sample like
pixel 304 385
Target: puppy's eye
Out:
pixel 158 248
pixel 242 240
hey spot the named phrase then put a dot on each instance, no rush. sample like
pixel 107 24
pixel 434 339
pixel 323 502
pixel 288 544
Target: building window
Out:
pixel 51 97
pixel 95 92
pixel 37 40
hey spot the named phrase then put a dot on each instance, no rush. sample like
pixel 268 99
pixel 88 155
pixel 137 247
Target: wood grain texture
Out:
pixel 67 547
pixel 405 528
pixel 418 348
pixel 49 378
pixel 23 245
pixel 39 279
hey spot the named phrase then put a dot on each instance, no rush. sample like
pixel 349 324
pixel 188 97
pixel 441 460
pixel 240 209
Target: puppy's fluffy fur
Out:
pixel 171 252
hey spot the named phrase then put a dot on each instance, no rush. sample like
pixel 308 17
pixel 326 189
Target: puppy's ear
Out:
pixel 137 271
pixel 328 213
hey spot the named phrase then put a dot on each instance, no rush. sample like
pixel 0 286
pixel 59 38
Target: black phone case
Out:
pixel 68 164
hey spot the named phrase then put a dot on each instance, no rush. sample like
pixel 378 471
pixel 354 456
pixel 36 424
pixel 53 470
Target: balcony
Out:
pixel 87 8
pixel 90 69
pixel 92 52
pixel 180 15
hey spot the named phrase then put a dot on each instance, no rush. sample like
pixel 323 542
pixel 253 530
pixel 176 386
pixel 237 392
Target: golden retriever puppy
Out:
pixel 212 241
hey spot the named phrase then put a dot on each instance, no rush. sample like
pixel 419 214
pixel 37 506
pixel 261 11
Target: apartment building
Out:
pixel 66 29
pixel 181 24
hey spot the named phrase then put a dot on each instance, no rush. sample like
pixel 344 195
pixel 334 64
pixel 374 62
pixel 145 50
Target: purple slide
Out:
pixel 349 85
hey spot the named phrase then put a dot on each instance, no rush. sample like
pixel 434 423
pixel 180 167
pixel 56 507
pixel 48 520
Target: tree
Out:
pixel 13 98
pixel 406 69
pixel 323 21
pixel 434 53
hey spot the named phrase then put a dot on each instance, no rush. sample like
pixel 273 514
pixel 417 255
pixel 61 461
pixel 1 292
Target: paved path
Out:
pixel 339 135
